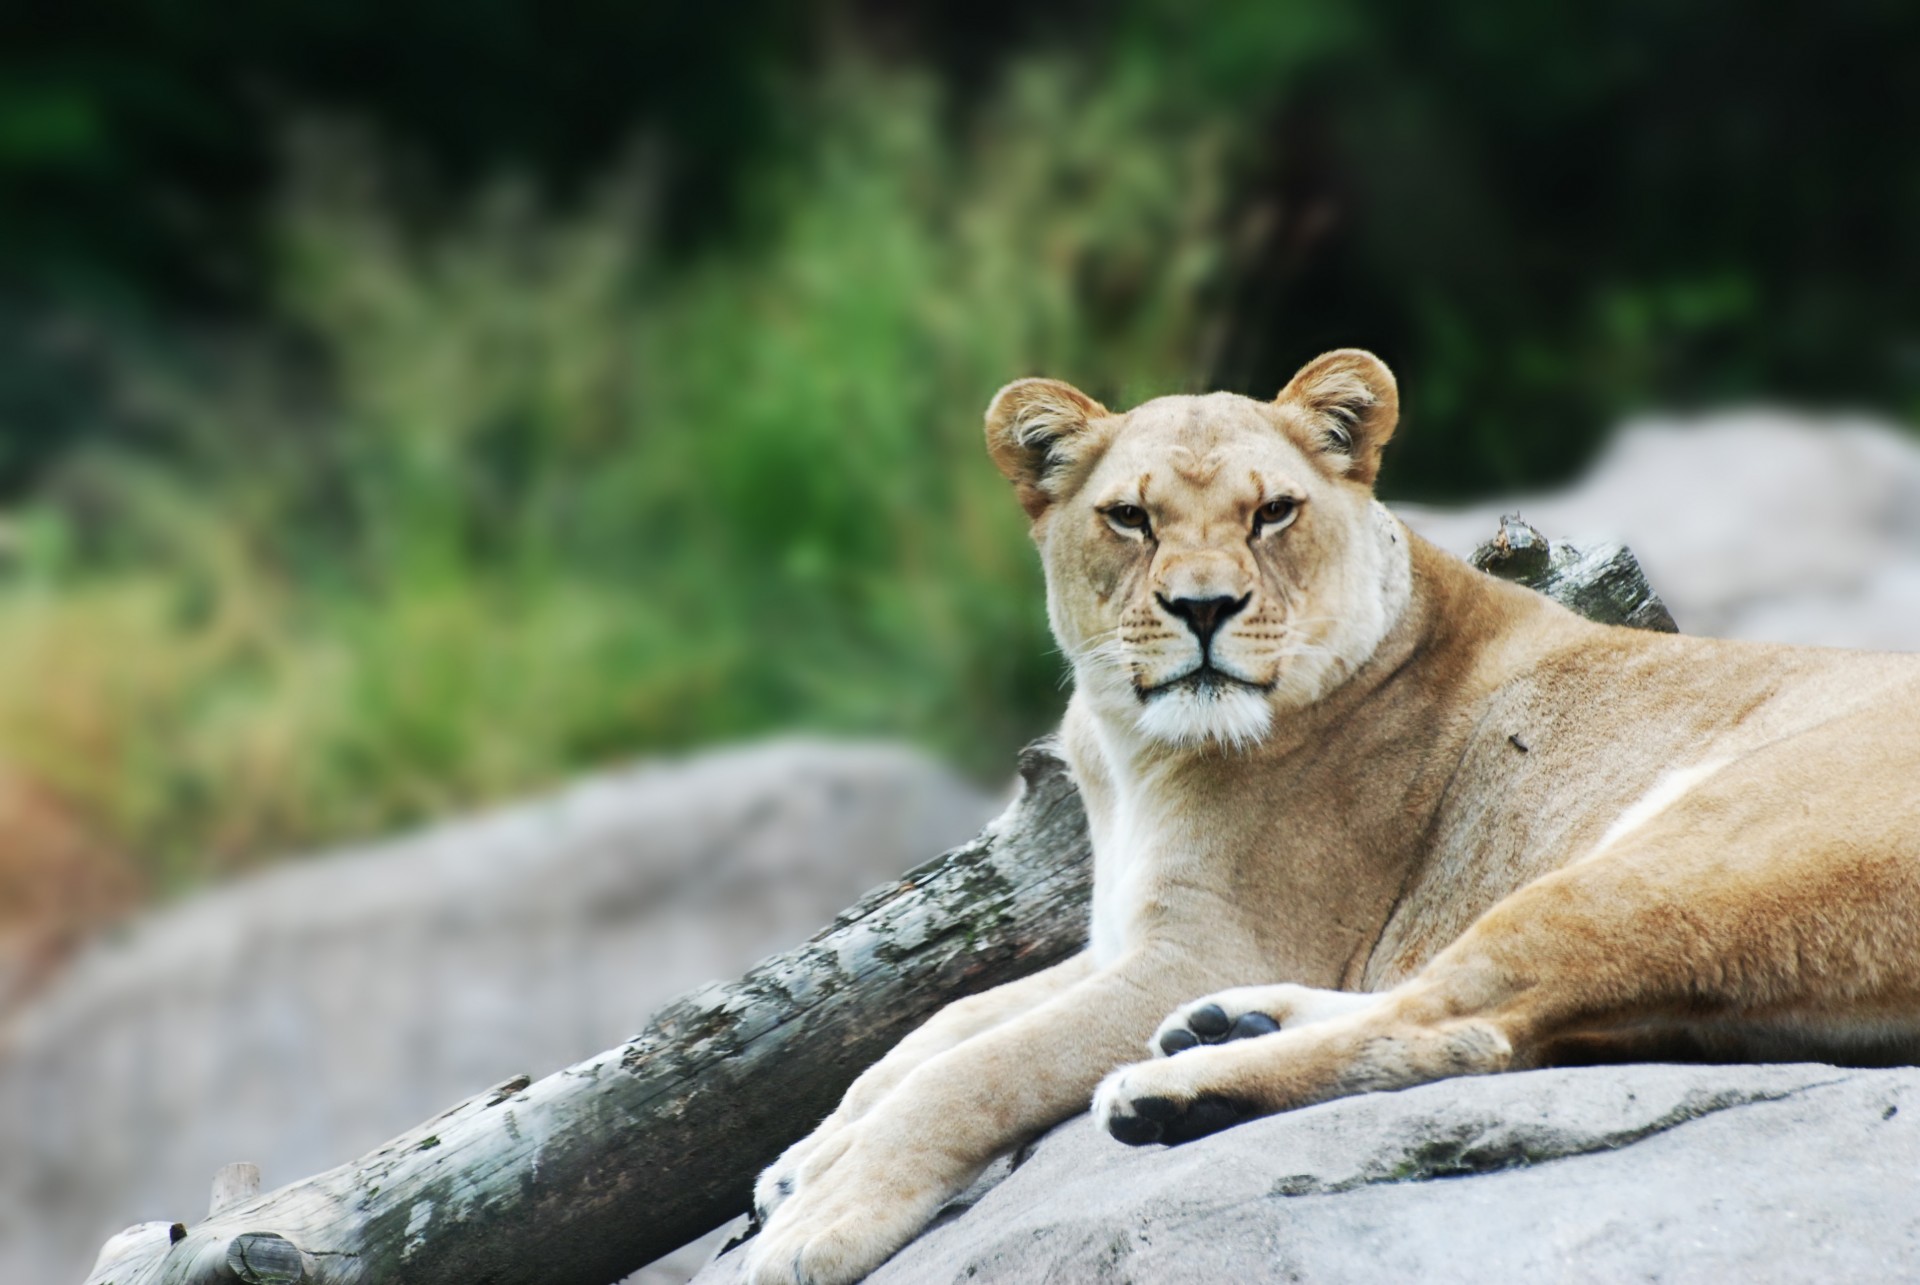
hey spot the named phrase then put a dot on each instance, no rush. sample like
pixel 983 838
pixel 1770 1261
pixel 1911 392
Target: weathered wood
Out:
pixel 234 1184
pixel 1601 581
pixel 590 1173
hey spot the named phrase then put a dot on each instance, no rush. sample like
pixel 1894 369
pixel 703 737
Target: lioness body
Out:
pixel 1376 827
pixel 1425 822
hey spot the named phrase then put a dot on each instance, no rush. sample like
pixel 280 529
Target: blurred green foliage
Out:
pixel 604 378
pixel 554 501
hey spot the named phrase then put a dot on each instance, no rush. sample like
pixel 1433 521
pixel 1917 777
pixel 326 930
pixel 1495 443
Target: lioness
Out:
pixel 1449 827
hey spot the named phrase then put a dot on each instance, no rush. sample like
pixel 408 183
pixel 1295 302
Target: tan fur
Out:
pixel 1511 836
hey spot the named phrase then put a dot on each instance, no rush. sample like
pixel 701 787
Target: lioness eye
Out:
pixel 1275 513
pixel 1130 517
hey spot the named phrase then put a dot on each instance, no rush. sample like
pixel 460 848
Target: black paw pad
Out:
pixel 1203 1116
pixel 1178 1040
pixel 1144 1120
pixel 1158 1110
pixel 1209 1022
pixel 1248 1025
pixel 1156 1119
pixel 1134 1130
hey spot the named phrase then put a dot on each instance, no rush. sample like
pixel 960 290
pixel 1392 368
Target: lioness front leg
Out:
pixel 871 1186
pixel 958 1021
pixel 1804 949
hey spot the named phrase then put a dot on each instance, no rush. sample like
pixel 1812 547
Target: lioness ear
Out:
pixel 1033 427
pixel 1355 404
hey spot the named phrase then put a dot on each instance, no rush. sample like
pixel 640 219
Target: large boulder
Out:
pixel 301 1016
pixel 1630 1173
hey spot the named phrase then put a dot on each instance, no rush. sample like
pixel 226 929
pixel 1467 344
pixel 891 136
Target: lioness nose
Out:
pixel 1205 615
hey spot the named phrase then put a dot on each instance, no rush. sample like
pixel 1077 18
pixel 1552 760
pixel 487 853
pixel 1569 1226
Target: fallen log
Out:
pixel 596 1170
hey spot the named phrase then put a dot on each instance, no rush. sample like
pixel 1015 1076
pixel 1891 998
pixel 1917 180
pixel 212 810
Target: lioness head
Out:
pixel 1211 561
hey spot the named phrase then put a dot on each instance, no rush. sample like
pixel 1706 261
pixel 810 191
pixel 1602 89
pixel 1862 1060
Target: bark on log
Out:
pixel 595 1171
pixel 1601 581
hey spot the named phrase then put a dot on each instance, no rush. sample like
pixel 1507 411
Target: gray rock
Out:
pixel 1756 524
pixel 1635 1173
pixel 301 1016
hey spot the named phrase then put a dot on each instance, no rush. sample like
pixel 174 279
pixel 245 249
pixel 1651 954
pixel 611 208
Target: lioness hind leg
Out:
pixel 1204 1090
pixel 1795 943
pixel 1247 1011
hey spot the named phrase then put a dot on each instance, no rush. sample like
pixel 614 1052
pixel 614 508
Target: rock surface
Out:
pixel 302 1016
pixel 1751 524
pixel 1631 1173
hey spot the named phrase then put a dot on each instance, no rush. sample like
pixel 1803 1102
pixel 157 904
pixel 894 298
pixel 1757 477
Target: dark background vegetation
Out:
pixel 407 404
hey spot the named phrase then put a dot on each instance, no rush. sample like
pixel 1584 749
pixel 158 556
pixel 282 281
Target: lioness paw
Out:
pixel 1142 1104
pixel 832 1234
pixel 771 1189
pixel 860 1193
pixel 1208 1022
pixel 1249 1011
pixel 803 1160
pixel 812 1255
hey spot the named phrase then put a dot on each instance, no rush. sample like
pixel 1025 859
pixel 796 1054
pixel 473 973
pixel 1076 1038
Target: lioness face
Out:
pixel 1211 561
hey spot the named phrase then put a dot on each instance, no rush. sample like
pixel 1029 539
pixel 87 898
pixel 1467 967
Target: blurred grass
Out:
pixel 530 499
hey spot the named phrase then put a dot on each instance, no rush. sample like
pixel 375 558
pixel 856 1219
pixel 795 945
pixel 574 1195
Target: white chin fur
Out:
pixel 1231 717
